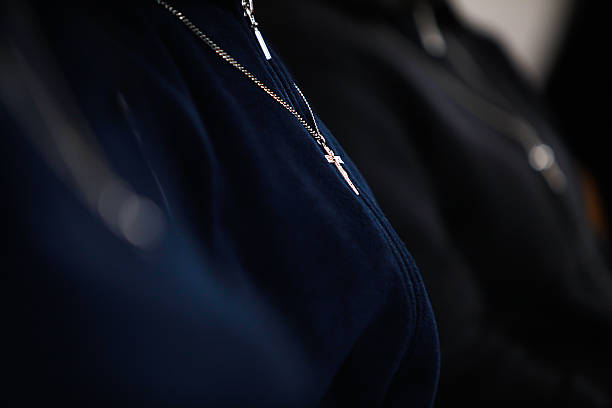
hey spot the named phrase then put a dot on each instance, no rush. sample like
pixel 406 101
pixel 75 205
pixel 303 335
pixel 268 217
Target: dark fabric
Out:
pixel 274 284
pixel 522 295
pixel 579 82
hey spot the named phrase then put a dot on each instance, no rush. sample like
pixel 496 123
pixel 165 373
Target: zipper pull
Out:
pixel 249 12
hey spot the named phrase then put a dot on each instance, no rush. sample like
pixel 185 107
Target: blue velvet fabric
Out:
pixel 274 285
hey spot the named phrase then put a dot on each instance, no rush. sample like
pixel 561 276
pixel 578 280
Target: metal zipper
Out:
pixel 329 154
pixel 406 275
pixel 285 85
pixel 249 12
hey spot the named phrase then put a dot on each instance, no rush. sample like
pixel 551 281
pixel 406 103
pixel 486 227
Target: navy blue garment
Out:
pixel 273 284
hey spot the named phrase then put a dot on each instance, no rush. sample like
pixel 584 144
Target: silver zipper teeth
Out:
pixel 249 12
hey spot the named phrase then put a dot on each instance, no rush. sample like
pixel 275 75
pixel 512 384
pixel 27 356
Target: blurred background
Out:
pixel 533 31
pixel 561 49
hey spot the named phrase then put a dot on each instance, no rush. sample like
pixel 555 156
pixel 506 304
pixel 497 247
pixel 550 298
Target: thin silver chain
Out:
pixel 331 157
pixel 316 134
pixel 314 120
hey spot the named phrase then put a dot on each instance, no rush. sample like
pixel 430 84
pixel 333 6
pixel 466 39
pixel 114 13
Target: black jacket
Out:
pixel 579 80
pixel 268 283
pixel 521 291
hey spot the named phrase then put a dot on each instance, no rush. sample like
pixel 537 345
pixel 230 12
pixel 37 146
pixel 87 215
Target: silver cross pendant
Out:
pixel 338 162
